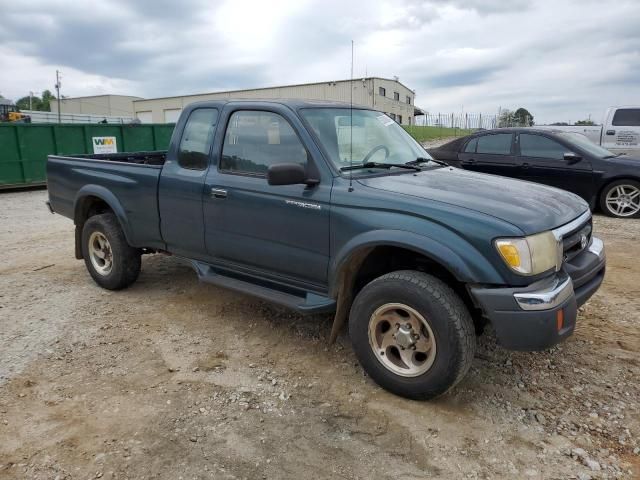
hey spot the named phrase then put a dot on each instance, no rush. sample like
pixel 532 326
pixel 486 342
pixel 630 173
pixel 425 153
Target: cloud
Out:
pixel 561 61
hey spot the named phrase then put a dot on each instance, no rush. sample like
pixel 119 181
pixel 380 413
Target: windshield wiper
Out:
pixel 420 160
pixel 380 165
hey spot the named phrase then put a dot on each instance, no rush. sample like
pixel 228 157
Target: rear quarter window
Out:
pixel 196 140
pixel 471 146
pixel 626 117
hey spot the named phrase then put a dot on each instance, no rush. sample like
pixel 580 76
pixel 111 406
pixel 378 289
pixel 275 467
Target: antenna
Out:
pixel 351 125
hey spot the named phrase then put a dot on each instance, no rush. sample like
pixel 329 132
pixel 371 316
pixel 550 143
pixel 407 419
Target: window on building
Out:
pixel 400 119
pixel 498 144
pixel 627 117
pixel 408 100
pixel 256 140
pixel 382 91
pixel 396 96
pixel 197 137
pixel 393 116
pixel 541 147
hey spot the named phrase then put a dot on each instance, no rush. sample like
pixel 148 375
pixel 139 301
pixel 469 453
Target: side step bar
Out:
pixel 301 301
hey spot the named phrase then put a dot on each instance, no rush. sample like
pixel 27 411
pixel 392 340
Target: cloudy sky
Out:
pixel 561 59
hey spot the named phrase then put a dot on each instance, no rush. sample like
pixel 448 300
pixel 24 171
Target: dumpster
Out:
pixel 24 147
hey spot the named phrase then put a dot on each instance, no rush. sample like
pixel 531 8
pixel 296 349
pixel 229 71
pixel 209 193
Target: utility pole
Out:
pixel 30 100
pixel 58 90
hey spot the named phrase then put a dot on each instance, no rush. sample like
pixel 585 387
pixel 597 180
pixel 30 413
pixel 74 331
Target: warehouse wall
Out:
pixel 365 93
pixel 108 105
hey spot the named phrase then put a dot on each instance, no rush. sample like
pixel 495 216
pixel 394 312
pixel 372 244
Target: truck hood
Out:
pixel 529 206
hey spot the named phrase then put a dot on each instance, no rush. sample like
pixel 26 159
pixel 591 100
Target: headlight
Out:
pixel 531 255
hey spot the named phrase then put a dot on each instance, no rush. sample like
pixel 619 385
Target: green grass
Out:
pixel 423 134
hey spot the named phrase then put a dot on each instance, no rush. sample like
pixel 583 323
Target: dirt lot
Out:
pixel 177 379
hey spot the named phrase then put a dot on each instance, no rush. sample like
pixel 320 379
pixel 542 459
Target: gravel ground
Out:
pixel 177 379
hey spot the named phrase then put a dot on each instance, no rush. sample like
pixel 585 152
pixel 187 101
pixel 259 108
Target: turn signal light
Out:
pixel 510 254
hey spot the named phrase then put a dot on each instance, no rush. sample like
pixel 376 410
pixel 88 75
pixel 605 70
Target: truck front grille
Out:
pixel 576 240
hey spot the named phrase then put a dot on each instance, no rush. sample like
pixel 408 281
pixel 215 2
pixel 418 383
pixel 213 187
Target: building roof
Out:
pixel 100 96
pixel 358 79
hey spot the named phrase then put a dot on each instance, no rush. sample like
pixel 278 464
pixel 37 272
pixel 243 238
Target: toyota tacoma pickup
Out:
pixel 323 207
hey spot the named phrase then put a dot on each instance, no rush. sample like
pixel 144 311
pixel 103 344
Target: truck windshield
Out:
pixel 585 144
pixel 375 141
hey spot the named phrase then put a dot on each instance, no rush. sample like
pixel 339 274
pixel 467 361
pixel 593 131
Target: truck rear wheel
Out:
pixel 111 261
pixel 412 334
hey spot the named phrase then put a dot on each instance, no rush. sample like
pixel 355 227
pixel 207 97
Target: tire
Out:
pixel 621 190
pixel 120 264
pixel 448 322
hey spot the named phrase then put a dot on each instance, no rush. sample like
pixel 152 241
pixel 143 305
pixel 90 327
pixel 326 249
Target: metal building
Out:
pixel 383 94
pixel 106 105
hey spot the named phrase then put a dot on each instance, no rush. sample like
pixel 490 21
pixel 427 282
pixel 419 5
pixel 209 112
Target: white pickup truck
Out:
pixel 619 132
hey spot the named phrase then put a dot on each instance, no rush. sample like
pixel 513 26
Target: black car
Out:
pixel 560 159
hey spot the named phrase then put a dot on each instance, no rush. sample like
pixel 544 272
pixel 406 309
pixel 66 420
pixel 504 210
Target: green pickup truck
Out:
pixel 325 208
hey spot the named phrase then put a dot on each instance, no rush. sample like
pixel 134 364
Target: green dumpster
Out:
pixel 24 147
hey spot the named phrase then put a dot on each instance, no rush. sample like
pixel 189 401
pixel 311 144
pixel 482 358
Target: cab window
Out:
pixel 255 140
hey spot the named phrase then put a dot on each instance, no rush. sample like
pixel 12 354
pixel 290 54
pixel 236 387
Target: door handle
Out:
pixel 611 132
pixel 471 161
pixel 218 193
pixel 525 166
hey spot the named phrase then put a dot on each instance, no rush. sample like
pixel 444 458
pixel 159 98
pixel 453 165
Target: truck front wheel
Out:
pixel 111 261
pixel 412 334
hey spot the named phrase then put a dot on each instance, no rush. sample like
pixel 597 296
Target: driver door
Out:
pixel 280 231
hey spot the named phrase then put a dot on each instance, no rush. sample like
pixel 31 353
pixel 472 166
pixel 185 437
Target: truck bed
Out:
pixel 128 180
pixel 155 158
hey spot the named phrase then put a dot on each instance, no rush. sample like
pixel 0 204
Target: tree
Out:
pixel 523 117
pixel 47 98
pixel 24 103
pixel 560 124
pixel 505 119
pixel 585 122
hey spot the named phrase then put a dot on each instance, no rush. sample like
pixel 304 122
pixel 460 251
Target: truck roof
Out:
pixel 293 103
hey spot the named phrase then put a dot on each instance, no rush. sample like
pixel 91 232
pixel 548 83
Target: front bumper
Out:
pixel 544 313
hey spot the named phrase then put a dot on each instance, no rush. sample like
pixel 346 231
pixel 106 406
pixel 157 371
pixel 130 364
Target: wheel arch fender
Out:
pixel 469 267
pixel 464 267
pixel 105 195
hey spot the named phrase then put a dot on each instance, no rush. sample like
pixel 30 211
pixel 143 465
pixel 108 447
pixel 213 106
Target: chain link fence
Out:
pixel 460 121
pixel 430 126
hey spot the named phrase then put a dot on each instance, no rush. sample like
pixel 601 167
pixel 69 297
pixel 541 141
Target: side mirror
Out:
pixel 288 174
pixel 572 158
